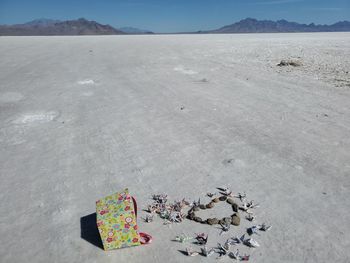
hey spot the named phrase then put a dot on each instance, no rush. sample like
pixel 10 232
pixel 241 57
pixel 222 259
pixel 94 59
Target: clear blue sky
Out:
pixel 175 15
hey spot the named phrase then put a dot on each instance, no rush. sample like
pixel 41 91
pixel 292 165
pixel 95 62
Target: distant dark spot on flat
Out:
pixel 293 63
pixel 228 161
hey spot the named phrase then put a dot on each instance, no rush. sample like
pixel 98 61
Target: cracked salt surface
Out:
pixel 37 117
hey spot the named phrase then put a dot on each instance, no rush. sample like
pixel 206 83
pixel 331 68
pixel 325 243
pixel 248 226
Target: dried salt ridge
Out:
pixel 174 213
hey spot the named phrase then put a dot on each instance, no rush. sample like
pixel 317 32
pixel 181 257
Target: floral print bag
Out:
pixel 116 222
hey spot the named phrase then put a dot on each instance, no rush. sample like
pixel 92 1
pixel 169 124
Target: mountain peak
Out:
pixel 249 19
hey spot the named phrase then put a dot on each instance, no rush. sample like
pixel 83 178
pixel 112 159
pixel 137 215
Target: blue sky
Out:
pixel 175 15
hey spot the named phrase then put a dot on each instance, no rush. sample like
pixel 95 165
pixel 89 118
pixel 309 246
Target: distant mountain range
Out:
pixel 81 26
pixel 49 27
pixel 251 25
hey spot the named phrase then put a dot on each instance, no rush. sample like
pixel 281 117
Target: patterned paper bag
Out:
pixel 116 221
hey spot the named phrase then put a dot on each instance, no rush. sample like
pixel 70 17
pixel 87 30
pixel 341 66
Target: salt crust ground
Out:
pixel 83 117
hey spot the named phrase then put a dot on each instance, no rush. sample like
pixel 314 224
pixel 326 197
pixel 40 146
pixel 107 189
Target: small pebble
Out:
pixel 197 219
pixel 202 206
pixel 216 200
pixel 210 205
pixel 222 198
pixel 212 221
pixel 230 201
pixel 235 220
pixel 235 207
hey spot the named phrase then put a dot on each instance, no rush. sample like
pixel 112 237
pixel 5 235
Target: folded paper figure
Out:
pixel 117 222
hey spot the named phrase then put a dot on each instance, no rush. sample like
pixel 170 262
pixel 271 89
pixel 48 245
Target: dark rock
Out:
pixel 210 205
pixel 235 207
pixel 197 219
pixel 216 200
pixel 235 220
pixel 222 198
pixel 230 201
pixel 212 221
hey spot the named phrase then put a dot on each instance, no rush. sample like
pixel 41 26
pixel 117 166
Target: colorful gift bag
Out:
pixel 116 221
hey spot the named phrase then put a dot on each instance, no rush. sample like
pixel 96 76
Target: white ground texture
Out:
pixel 84 117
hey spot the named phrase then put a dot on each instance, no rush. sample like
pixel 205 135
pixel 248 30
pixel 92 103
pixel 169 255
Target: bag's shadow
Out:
pixel 89 230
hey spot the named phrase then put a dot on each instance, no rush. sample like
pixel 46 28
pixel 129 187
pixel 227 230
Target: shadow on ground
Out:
pixel 89 230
